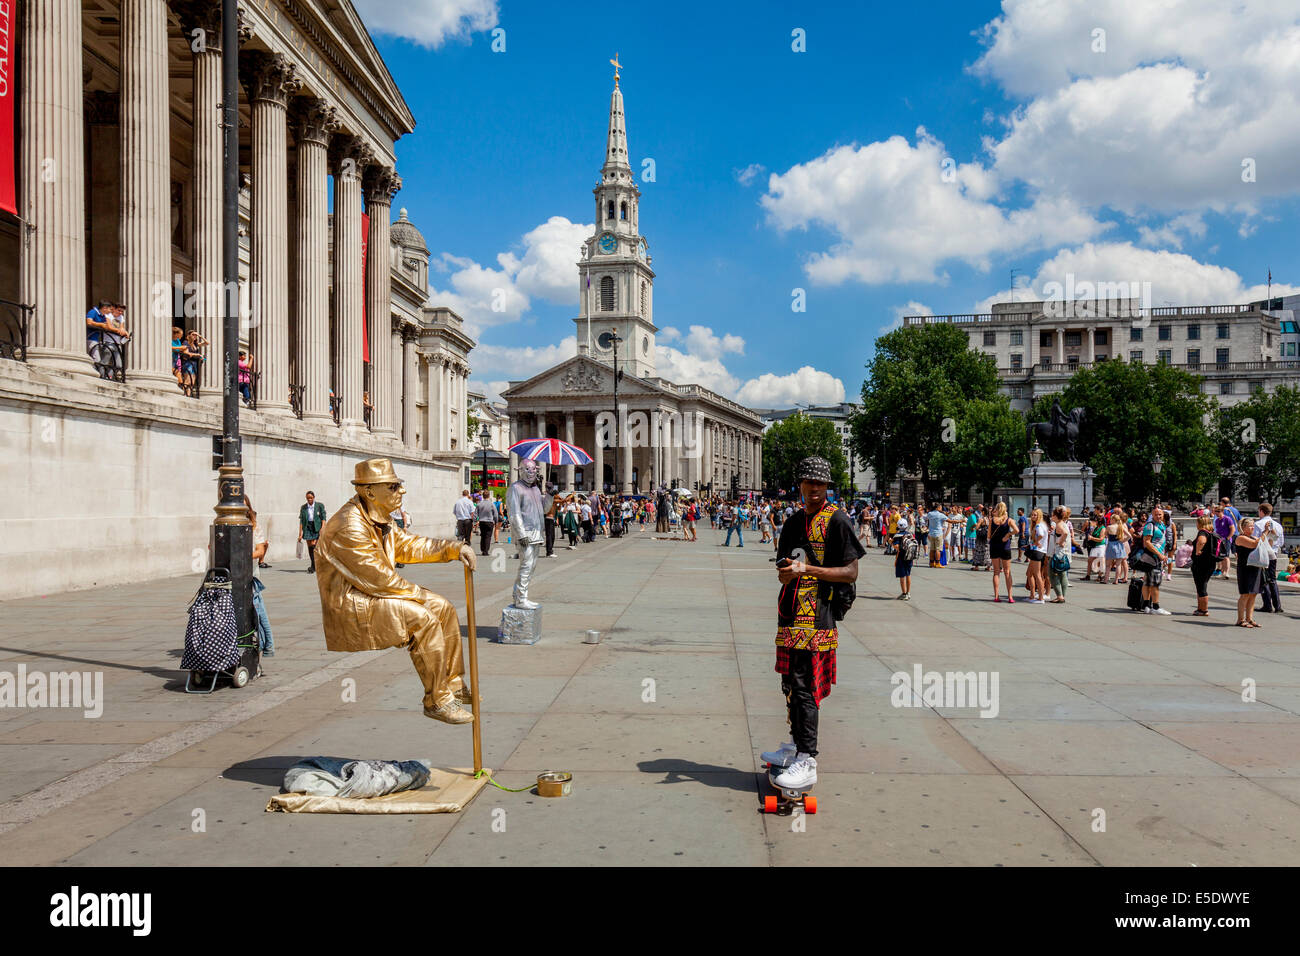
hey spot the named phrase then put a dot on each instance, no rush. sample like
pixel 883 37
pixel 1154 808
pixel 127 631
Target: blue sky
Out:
pixel 907 161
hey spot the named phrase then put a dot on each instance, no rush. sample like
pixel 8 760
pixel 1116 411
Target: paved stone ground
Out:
pixel 1140 717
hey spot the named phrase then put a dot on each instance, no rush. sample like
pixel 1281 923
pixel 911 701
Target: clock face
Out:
pixel 640 249
pixel 607 244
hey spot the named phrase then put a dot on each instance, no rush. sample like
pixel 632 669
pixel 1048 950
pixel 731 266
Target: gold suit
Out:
pixel 366 605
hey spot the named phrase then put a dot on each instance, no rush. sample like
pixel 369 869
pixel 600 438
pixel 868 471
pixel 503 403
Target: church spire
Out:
pixel 616 142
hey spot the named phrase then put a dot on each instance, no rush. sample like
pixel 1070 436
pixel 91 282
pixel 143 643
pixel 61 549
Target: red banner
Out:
pixel 8 18
pixel 365 332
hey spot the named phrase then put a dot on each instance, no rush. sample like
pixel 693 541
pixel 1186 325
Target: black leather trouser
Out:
pixel 798 689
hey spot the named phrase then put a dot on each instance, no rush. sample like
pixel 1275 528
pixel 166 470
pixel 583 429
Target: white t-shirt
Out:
pixel 1040 536
pixel 586 512
pixel 259 537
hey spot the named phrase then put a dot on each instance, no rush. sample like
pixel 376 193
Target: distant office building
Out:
pixel 864 479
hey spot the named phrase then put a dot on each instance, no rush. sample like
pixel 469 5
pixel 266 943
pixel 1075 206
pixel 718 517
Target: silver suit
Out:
pixel 527 523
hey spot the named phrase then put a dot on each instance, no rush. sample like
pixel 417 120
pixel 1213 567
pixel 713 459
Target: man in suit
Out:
pixel 311 518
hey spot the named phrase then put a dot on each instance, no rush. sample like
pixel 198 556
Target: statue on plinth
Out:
pixel 1060 432
pixel 527 523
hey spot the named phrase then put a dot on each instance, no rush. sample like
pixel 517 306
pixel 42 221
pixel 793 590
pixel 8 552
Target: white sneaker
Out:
pixel 802 773
pixel 1160 610
pixel 783 756
pixel 1147 610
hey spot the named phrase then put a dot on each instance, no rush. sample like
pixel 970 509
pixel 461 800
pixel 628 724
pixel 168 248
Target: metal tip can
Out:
pixel 554 783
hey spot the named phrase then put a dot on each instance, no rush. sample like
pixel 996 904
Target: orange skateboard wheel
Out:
pixel 810 804
pixel 769 804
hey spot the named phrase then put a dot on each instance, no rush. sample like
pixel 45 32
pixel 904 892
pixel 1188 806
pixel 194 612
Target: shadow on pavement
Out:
pixel 684 771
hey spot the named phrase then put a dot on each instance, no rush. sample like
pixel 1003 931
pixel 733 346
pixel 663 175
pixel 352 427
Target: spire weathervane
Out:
pixel 617 66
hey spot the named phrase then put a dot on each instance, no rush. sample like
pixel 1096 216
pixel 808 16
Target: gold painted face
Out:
pixel 383 499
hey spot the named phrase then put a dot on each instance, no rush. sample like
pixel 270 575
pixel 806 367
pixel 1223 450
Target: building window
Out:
pixel 1193 356
pixel 1222 331
pixel 1134 333
pixel 1193 332
pixel 1290 349
pixel 990 338
pixel 622 211
pixel 1074 339
pixel 609 210
pixel 1164 356
pixel 1135 357
pixel 1225 388
pixel 1044 340
pixel 1017 337
pixel 1100 337
pixel 1073 362
pixel 1220 356
pixel 607 294
pixel 1017 361
pixel 1165 333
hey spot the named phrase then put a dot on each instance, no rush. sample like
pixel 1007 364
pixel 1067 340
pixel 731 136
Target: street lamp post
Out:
pixel 1261 459
pixel 902 473
pixel 614 339
pixel 1156 464
pixel 485 439
pixel 1035 456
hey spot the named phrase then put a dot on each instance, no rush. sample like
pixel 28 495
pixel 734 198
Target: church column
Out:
pixel 410 383
pixel 196 15
pixel 314 124
pixel 568 436
pixel 53 270
pixel 399 375
pixel 381 183
pixel 146 187
pixel 348 159
pixel 626 477
pixel 598 455
pixel 271 80
pixel 758 463
pixel 432 400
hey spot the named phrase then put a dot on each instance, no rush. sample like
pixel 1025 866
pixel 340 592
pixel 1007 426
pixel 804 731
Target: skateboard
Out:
pixel 784 800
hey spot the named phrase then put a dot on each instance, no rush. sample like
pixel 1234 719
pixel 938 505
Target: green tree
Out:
pixel 987 447
pixel 917 385
pixel 789 441
pixel 471 430
pixel 1271 419
pixel 1134 412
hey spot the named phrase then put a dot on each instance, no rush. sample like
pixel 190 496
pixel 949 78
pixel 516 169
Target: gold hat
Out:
pixel 375 471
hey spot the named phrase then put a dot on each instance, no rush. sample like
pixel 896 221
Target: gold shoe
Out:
pixel 450 713
pixel 463 696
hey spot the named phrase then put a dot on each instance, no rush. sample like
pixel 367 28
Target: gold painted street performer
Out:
pixel 817 565
pixel 366 605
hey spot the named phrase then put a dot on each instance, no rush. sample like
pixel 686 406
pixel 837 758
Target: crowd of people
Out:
pixel 1115 545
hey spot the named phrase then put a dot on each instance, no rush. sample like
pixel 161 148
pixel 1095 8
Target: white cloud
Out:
pixel 518 362
pixel 1175 278
pixel 901 311
pixel 1163 119
pixel 806 386
pixel 486 296
pixel 701 341
pixel 669 333
pixel 1172 232
pixel 896 219
pixel 429 23
pixel 687 368
pixel 749 173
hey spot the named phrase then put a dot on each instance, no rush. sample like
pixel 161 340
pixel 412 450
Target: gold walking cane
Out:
pixel 473 670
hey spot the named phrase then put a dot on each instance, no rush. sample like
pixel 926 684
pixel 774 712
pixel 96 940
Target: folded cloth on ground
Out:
pixel 343 777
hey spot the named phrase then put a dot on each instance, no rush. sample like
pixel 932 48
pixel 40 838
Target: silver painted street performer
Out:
pixel 527 523
pixel 366 605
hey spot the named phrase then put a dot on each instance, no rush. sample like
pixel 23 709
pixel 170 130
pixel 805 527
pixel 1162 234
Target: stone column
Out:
pixel 348 159
pixel 314 124
pixel 270 80
pixel 381 184
pixel 597 455
pixel 568 436
pixel 1060 345
pixel 626 477
pixel 399 377
pixel 146 189
pixel 1090 355
pixel 410 380
pixel 52 186
pixel 430 442
pixel 201 24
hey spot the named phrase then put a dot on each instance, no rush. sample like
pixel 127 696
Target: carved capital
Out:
pixel 244 26
pixel 269 77
pixel 349 156
pixel 314 121
pixel 381 184
pixel 201 15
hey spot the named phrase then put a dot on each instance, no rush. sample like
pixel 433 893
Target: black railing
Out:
pixel 15 320
pixel 296 393
pixel 367 412
pixel 336 409
pixel 254 385
pixel 108 357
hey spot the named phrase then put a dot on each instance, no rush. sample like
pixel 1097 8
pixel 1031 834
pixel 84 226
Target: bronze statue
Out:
pixel 366 605
pixel 1060 432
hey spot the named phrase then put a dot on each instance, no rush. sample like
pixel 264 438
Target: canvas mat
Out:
pixel 448 791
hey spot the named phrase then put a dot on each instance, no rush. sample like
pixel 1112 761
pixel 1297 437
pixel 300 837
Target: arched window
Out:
pixel 609 210
pixel 607 294
pixel 622 212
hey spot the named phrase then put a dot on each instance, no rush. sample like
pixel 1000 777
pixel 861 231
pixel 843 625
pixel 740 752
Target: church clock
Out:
pixel 607 244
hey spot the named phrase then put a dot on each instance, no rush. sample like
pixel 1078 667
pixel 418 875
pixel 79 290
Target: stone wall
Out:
pixel 109 484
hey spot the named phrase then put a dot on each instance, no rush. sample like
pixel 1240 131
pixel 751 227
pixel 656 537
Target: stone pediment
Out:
pixel 575 378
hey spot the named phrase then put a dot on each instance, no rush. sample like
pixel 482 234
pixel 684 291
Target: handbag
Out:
pixel 1261 556
pixel 1144 560
pixel 1060 562
pixel 299 548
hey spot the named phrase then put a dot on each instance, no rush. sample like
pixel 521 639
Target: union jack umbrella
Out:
pixel 550 451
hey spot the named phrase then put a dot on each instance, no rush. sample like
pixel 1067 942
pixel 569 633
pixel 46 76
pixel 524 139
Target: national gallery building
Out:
pixel 115 196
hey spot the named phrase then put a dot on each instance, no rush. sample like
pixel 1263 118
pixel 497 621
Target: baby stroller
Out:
pixel 213 646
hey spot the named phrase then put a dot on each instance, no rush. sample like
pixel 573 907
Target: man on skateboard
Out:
pixel 817 564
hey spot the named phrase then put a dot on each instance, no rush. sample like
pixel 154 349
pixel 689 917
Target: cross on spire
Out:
pixel 617 66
